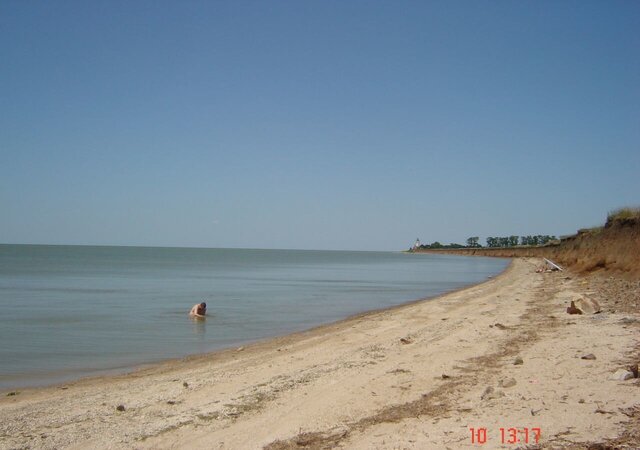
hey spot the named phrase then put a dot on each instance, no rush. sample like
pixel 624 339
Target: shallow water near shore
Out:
pixel 72 311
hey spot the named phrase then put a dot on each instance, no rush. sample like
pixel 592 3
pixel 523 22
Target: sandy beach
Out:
pixel 437 373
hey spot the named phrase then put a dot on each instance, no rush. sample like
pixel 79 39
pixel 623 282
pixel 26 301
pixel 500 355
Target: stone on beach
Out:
pixel 587 305
pixel 507 382
pixel 572 309
pixel 490 394
pixel 622 375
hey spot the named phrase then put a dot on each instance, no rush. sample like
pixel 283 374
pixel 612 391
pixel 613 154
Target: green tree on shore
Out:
pixel 473 242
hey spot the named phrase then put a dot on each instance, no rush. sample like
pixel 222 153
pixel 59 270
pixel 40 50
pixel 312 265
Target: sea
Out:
pixel 68 312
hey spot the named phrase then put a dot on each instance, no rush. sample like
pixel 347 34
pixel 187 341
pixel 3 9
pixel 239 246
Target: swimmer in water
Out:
pixel 199 310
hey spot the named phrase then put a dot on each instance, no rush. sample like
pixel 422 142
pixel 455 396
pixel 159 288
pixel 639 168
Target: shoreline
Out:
pixel 373 380
pixel 91 375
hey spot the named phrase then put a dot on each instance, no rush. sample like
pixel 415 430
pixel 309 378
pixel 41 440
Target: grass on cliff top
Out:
pixel 623 215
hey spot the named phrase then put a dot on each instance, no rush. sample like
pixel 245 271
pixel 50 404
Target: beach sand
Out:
pixel 417 376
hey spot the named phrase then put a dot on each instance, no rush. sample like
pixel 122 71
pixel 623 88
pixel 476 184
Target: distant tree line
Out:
pixel 514 241
pixel 437 244
pixel 494 242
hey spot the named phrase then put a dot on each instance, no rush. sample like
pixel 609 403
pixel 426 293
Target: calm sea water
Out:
pixel 72 311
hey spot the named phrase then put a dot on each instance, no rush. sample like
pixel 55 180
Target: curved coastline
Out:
pixel 151 365
pixel 417 375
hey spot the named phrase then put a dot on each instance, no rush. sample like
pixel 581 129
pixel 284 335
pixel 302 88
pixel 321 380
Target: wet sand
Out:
pixel 416 376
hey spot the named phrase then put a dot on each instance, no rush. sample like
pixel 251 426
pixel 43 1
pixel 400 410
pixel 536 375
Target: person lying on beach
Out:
pixel 199 310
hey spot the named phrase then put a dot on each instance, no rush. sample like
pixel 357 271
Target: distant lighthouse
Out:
pixel 417 244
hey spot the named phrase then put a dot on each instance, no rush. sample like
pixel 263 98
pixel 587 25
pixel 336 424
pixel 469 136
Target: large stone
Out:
pixel 587 305
pixel 622 375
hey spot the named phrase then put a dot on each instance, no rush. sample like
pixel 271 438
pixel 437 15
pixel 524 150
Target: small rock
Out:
pixel 406 340
pixel 120 408
pixel 507 382
pixel 11 394
pixel 628 320
pixel 581 400
pixel 171 402
pixel 491 394
pixel 634 370
pixel 445 376
pixel 590 356
pixel 185 384
pixel 518 361
pixel 487 392
pixel 500 326
pixel 622 375
pixel 572 309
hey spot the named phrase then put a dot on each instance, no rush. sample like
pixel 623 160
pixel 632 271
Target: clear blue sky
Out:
pixel 315 124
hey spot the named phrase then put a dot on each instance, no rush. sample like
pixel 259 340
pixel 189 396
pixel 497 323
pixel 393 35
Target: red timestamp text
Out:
pixel 511 435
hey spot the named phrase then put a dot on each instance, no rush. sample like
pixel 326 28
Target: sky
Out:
pixel 356 125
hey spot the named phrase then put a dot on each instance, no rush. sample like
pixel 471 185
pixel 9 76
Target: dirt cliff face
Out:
pixel 614 248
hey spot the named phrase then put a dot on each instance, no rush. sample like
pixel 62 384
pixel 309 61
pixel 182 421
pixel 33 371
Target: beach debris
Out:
pixel 185 384
pixel 581 400
pixel 239 349
pixel 589 356
pixel 535 412
pixel 445 376
pixel 406 340
pixel 12 394
pixel 171 402
pixel 629 412
pixel 120 408
pixel 490 394
pixel 397 371
pixel 518 361
pixel 507 382
pixel 554 267
pixel 634 370
pixel 622 375
pixel 572 309
pixel 500 326
pixel 628 320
